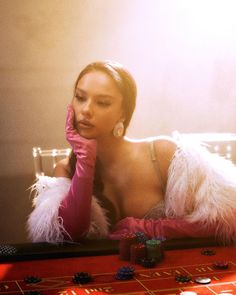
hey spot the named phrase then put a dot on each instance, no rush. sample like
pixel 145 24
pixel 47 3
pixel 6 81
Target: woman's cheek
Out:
pixel 73 102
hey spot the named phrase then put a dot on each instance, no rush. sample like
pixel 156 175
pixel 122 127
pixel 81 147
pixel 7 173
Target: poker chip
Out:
pixel 32 280
pixel 137 251
pixel 147 262
pixel 154 249
pixel 6 250
pixel 125 244
pixel 208 252
pixel 82 278
pixel 162 239
pixel 183 278
pixel 125 273
pixel 188 293
pixel 203 280
pixel 141 237
pixel 33 292
pixel 162 242
pixel 221 265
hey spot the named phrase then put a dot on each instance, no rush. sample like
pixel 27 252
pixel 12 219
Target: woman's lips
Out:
pixel 85 125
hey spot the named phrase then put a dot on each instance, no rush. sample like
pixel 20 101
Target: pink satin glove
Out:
pixel 84 149
pixel 75 209
pixel 168 228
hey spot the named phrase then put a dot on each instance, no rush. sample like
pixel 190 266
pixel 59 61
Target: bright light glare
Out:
pixel 208 24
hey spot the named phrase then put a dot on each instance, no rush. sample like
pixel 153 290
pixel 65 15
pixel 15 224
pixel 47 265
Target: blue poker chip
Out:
pixel 141 237
pixel 125 273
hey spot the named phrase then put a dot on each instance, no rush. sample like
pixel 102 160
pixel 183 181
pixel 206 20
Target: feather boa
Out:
pixel 44 225
pixel 202 187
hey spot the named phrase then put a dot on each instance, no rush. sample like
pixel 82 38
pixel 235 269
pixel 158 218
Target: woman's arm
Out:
pixel 75 209
pixel 200 200
pixel 64 208
pixel 62 168
pixel 165 149
pixel 201 188
pixel 44 224
pixel 167 228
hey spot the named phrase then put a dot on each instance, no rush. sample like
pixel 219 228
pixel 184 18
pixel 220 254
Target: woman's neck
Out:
pixel 111 150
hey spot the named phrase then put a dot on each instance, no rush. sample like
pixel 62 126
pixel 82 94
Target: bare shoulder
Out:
pixel 62 168
pixel 165 147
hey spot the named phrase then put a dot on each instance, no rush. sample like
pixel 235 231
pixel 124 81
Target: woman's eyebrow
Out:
pixel 101 95
pixel 80 90
pixel 104 96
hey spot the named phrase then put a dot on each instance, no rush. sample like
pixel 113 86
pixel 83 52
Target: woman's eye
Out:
pixel 104 103
pixel 80 98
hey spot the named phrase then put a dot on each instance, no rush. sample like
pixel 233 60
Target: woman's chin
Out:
pixel 86 134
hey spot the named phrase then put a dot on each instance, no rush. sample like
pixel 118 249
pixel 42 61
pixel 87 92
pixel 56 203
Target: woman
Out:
pixel 111 185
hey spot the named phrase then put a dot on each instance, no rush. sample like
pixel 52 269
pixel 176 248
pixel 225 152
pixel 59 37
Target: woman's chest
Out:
pixel 135 190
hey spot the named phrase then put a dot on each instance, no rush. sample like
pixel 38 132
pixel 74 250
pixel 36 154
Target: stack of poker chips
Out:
pixel 137 252
pixel 137 248
pixel 125 244
pixel 154 249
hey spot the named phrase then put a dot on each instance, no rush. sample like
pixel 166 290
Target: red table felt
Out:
pixel 57 274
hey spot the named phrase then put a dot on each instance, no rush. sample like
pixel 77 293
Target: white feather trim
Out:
pixel 44 225
pixel 202 187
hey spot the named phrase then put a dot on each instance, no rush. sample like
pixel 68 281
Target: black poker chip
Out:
pixel 221 265
pixel 82 278
pixel 33 292
pixel 147 262
pixel 32 280
pixel 183 278
pixel 208 252
pixel 125 273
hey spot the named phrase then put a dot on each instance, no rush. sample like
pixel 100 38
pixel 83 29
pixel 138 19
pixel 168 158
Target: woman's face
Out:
pixel 97 103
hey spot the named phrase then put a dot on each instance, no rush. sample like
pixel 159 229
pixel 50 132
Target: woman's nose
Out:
pixel 87 107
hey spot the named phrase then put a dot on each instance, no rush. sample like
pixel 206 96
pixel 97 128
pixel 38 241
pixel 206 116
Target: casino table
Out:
pixel 56 265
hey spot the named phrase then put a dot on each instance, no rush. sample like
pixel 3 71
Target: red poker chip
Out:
pixel 125 244
pixel 128 236
pixel 221 265
pixel 137 251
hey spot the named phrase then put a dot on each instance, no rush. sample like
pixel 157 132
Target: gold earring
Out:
pixel 118 130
